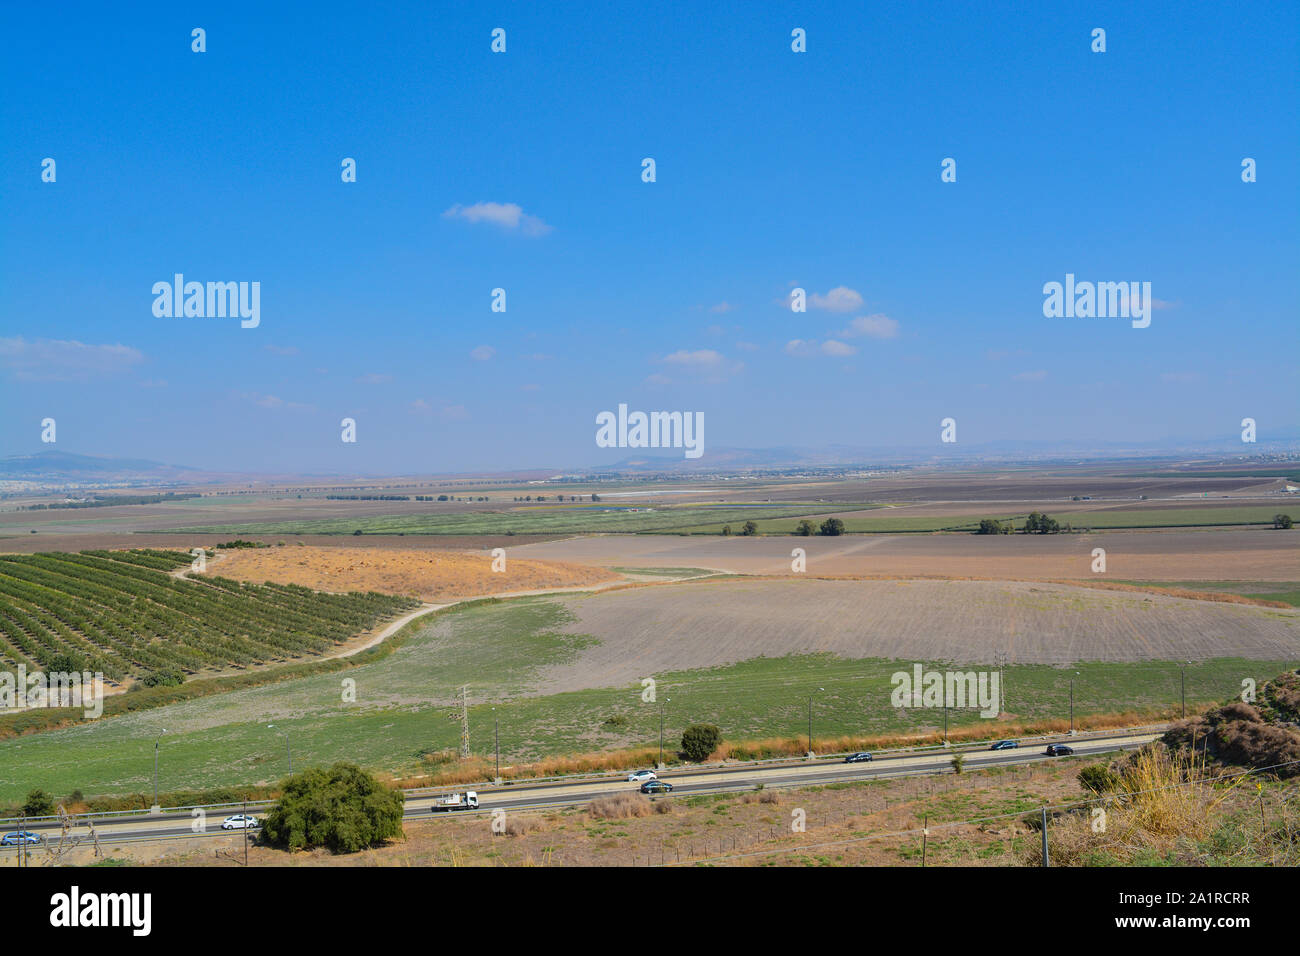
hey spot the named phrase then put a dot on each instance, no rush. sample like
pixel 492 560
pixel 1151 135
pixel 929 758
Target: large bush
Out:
pixel 700 740
pixel 1260 734
pixel 39 804
pixel 343 808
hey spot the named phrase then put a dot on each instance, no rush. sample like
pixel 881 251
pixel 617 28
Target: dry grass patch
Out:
pixel 620 806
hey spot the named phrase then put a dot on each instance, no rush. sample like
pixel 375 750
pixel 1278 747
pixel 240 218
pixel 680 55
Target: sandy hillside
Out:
pixel 432 576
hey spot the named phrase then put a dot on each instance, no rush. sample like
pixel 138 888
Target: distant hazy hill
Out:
pixel 63 466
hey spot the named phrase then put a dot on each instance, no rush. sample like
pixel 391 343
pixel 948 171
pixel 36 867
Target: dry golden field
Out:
pixel 432 576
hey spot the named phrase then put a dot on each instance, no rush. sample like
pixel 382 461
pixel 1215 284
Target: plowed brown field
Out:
pixel 433 576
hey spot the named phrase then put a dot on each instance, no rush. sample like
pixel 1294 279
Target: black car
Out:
pixel 860 757
pixel 656 786
pixel 1005 745
pixel 1058 750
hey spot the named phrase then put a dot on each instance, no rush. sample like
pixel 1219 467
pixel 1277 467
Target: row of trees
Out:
pixel 1036 523
pixel 831 526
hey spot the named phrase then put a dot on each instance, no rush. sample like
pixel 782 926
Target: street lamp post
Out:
pixel 1072 705
pixel 287 752
pixel 662 707
pixel 155 768
pixel 810 736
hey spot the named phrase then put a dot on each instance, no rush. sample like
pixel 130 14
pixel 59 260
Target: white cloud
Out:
pixel 721 307
pixel 800 348
pixel 49 360
pixel 878 326
pixel 1038 375
pixel 281 349
pixel 708 365
pixel 839 299
pixel 482 353
pixel 274 402
pixel 507 215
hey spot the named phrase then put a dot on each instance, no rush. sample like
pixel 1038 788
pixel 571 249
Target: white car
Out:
pixel 240 822
pixel 641 776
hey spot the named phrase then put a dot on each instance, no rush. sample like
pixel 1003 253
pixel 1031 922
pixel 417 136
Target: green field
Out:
pixel 120 613
pixel 1288 592
pixel 883 522
pixel 405 707
pixel 569 519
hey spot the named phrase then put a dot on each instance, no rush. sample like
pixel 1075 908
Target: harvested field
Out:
pixel 708 624
pixel 433 576
pixel 1243 555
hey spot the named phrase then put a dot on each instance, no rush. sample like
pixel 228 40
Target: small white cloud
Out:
pixel 800 348
pixel 837 349
pixel 482 353
pixel 50 360
pixel 747 346
pixel 1038 375
pixel 839 299
pixel 721 307
pixel 274 402
pixel 878 326
pixel 707 365
pixel 281 349
pixel 506 215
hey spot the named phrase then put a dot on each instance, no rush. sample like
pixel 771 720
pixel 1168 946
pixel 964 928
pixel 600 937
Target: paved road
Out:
pixel 179 823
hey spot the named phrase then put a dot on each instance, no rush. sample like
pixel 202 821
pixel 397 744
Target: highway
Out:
pixel 173 824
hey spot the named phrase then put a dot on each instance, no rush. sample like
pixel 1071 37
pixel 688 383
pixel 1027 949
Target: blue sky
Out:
pixel 774 169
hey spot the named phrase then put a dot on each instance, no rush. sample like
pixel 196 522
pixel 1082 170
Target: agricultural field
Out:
pixel 1246 554
pixel 562 675
pixel 431 576
pixel 882 521
pixel 123 613
pixel 538 519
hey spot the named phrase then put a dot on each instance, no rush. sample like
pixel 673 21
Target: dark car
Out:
pixel 1005 745
pixel 860 757
pixel 1058 750
pixel 18 838
pixel 656 786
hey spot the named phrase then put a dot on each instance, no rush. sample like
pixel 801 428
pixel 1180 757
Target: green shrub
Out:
pixel 700 740
pixel 1099 779
pixel 342 808
pixel 832 526
pixel 38 804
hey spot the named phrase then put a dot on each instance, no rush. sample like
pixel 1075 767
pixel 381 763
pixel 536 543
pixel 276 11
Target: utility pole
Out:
pixel 945 725
pixel 496 731
pixel 464 721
